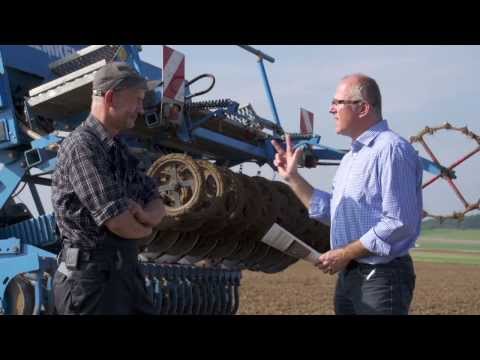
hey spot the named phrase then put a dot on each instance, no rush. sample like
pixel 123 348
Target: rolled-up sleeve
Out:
pixel 401 202
pixel 319 207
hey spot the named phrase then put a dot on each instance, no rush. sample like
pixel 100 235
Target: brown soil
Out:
pixel 303 289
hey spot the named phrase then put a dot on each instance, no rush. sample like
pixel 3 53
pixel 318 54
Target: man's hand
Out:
pixel 156 210
pixel 336 260
pixel 127 225
pixel 142 216
pixel 333 261
pixel 286 160
pixel 134 207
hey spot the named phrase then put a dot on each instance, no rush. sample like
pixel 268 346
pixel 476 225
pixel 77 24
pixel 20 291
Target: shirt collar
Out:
pixel 93 123
pixel 367 137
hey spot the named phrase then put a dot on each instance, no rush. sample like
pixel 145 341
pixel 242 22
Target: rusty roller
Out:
pixel 182 186
pixel 219 216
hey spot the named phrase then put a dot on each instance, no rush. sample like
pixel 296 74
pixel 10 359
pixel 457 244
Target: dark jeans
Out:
pixel 385 289
pixel 101 288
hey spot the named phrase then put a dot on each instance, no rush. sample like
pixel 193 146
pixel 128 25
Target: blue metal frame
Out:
pixel 133 57
pixel 5 98
pixel 148 70
pixel 431 167
pixel 268 90
pixel 20 57
pixel 261 56
pixel 6 106
pixel 246 150
pixel 23 259
pixel 15 167
pixel 39 232
pixel 10 123
pixel 11 174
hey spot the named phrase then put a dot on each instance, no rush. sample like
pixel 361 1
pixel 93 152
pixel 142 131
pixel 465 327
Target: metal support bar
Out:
pixel 261 56
pixel 259 53
pixel 203 120
pixel 457 192
pixel 449 180
pixel 11 175
pixel 36 198
pixel 243 148
pixel 431 167
pixel 37 180
pixel 427 149
pixel 455 164
pixel 269 92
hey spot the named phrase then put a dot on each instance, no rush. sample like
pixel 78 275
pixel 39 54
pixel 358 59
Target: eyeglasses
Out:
pixel 336 102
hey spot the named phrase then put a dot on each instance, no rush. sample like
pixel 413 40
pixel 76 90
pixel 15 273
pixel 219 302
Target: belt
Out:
pixel 75 257
pixel 352 265
pixel 355 264
pixel 85 255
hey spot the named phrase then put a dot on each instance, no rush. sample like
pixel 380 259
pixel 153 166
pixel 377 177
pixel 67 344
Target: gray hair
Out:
pixel 365 88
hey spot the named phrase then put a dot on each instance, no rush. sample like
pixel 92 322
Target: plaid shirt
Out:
pixel 94 178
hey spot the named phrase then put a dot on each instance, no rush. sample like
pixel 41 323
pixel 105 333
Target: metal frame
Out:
pixel 262 56
pixel 15 259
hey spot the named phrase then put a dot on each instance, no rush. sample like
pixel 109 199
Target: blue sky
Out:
pixel 421 85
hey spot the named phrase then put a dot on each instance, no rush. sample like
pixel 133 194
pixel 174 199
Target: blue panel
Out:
pixel 6 116
pixel 34 59
pixel 31 259
pixel 10 124
pixel 10 176
pixel 4 136
pixel 2 68
pixel 5 95
pixel 2 90
pixel 151 72
pixel 39 231
pixel 9 246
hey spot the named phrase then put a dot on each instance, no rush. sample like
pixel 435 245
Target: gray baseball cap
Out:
pixel 120 75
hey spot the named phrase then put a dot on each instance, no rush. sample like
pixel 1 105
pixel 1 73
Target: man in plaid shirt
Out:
pixel 103 204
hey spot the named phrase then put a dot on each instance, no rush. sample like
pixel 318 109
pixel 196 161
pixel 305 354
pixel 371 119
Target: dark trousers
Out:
pixel 101 288
pixel 385 289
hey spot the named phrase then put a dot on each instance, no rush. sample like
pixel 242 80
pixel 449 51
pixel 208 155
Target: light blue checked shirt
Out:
pixel 376 196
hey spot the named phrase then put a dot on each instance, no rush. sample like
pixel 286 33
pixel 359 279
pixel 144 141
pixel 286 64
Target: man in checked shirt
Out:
pixel 374 209
pixel 103 204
